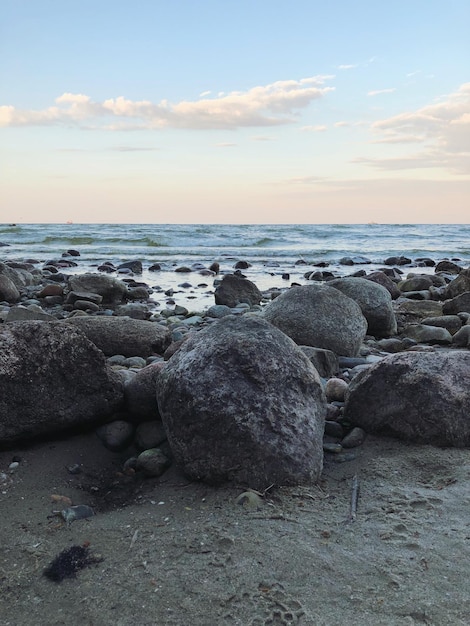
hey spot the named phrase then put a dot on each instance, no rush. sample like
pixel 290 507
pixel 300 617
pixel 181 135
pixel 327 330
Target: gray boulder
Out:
pixel 382 279
pixel 241 402
pixel 112 290
pixel 234 289
pixel 422 333
pixel 422 397
pixel 457 304
pixel 18 276
pixel 459 285
pixel 461 339
pixel 140 393
pixel 324 361
pixel 123 335
pixel 8 290
pixel 375 302
pixel 319 316
pixel 52 379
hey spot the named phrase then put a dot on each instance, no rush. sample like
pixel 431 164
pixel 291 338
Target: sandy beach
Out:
pixel 178 553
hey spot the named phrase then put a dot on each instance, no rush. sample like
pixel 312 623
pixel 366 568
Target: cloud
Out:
pixel 377 92
pixel 315 129
pixel 266 105
pixel 347 67
pixel 225 144
pixel 443 128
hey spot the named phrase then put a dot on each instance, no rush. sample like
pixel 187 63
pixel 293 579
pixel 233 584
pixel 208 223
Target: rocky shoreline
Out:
pixel 223 463
pixel 101 331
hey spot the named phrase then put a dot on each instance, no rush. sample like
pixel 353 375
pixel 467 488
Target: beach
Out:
pixel 382 538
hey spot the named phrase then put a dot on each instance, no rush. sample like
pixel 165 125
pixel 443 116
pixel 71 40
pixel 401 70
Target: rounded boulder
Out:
pixel 422 397
pixel 319 316
pixel 241 402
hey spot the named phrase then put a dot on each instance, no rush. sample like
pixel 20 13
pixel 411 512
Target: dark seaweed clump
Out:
pixel 69 562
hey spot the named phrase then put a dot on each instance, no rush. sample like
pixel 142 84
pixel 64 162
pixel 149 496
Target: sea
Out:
pixel 274 251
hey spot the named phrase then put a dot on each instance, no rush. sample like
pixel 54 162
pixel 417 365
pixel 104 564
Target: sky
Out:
pixel 254 111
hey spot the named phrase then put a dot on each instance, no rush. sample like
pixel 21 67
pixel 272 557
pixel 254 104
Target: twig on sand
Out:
pixel 354 498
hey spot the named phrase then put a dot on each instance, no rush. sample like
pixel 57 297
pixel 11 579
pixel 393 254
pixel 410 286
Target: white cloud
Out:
pixel 377 92
pixel 266 105
pixel 347 67
pixel 443 128
pixel 226 144
pixel 315 129
pixel 205 93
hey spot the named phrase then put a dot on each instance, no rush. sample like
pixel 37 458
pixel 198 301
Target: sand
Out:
pixel 180 553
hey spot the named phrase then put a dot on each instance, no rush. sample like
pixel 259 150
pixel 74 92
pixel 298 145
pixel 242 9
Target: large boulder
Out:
pixel 241 402
pixel 19 277
pixel 460 284
pixel 234 289
pixel 123 335
pixel 52 379
pixel 112 290
pixel 8 290
pixel 458 304
pixel 375 302
pixel 319 316
pixel 422 397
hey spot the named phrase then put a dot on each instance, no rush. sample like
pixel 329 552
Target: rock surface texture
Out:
pixel 234 289
pixel 319 316
pixel 241 402
pixel 123 335
pixel 375 302
pixel 422 397
pixel 51 379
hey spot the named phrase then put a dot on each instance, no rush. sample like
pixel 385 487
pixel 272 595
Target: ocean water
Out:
pixel 272 249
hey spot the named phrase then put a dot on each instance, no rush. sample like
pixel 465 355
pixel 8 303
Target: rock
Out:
pixel 88 296
pixel 134 266
pixel 452 322
pixel 397 260
pixel 117 435
pixel 19 277
pixel 149 435
pixel 391 345
pixel 417 396
pixel 354 438
pixel 52 379
pixel 112 290
pixel 428 334
pixel 382 279
pixel 241 402
pixel 336 389
pixel 123 335
pixel 449 267
pixel 51 290
pixel 375 302
pixel 135 310
pixel 461 339
pixel 418 282
pixel 22 313
pixel 8 290
pixel 419 308
pixel 140 393
pixel 319 316
pixel 324 361
pixel 460 303
pixel 234 289
pixel 424 294
pixel 153 462
pixel 218 311
pixel 459 285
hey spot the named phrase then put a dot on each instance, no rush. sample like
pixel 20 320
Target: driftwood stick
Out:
pixel 354 498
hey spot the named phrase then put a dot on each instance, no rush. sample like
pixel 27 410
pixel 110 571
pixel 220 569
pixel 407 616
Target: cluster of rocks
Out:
pixel 253 390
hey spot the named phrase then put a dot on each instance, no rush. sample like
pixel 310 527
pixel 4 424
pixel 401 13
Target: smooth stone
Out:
pixel 117 435
pixel 336 389
pixel 355 438
pixel 152 462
